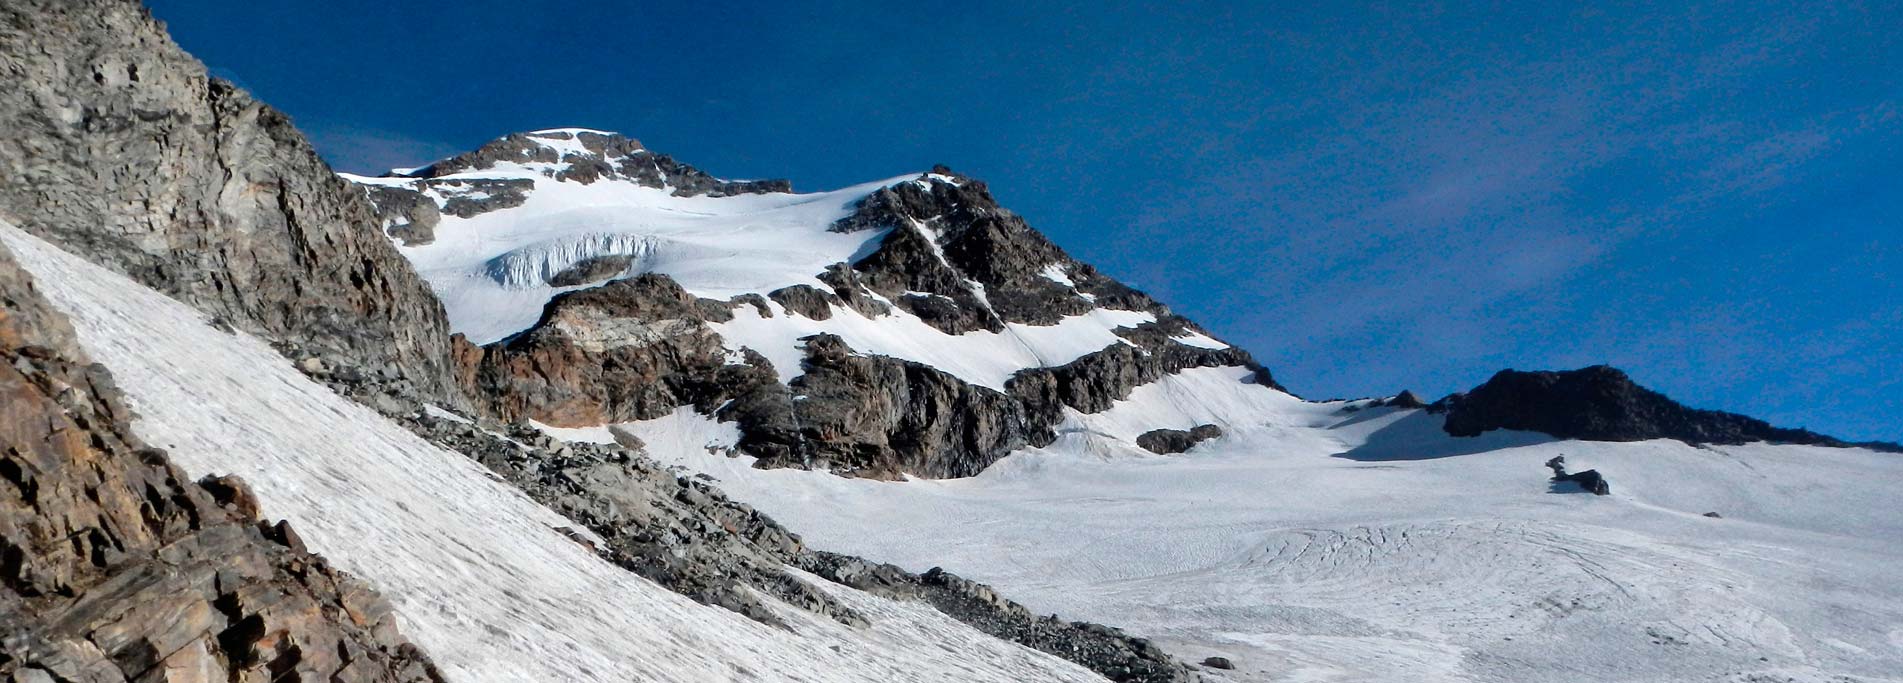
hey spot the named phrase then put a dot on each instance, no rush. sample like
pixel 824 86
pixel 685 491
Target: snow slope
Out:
pixel 477 573
pixel 1314 543
pixel 490 269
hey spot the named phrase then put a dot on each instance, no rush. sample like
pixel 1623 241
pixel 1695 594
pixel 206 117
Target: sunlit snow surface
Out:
pixel 1313 544
pixel 490 269
pixel 478 574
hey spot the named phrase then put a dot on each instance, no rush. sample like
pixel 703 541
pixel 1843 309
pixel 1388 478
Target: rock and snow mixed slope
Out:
pixel 909 325
pixel 1331 541
pixel 480 575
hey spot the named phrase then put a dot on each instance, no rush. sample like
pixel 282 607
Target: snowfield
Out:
pixel 490 270
pixel 476 570
pixel 1317 544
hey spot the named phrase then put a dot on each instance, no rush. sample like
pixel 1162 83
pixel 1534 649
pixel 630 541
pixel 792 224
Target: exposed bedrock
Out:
pixel 407 215
pixel 116 566
pixel 118 147
pixel 591 270
pixel 632 349
pixel 1173 441
pixel 1590 480
pixel 1601 403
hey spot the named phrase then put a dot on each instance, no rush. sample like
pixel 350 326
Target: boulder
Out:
pixel 1171 441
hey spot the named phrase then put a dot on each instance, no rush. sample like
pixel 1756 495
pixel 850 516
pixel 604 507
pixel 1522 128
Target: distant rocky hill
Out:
pixel 1602 403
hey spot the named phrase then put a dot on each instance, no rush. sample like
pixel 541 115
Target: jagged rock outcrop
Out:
pixel 1590 480
pixel 115 566
pixel 1173 441
pixel 878 416
pixel 579 156
pixel 407 216
pixel 591 270
pixel 632 349
pixel 1601 403
pixel 118 147
pixel 1405 400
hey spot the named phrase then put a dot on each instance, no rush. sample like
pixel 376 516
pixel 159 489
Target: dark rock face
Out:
pixel 1590 480
pixel 947 233
pixel 115 566
pixel 1172 441
pixel 591 270
pixel 1407 400
pixel 807 301
pixel 471 197
pixel 1219 663
pixel 632 349
pixel 877 416
pixel 1600 403
pixel 407 216
pixel 119 148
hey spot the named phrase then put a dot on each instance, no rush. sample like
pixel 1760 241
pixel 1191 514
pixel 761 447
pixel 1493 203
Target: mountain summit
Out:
pixel 904 326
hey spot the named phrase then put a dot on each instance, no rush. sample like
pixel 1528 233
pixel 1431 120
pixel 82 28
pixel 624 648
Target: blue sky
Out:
pixel 1369 197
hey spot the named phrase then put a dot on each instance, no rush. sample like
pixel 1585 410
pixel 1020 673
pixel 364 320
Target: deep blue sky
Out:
pixel 1368 197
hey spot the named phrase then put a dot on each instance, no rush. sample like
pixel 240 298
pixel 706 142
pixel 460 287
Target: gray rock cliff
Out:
pixel 118 147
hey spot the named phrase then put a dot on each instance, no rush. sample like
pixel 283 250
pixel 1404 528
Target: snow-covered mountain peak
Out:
pixel 550 248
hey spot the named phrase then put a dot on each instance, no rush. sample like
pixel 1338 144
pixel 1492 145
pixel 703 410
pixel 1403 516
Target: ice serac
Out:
pixel 119 567
pixel 1602 403
pixel 119 147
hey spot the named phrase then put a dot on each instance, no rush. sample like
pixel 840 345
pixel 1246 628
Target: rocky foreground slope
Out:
pixel 114 565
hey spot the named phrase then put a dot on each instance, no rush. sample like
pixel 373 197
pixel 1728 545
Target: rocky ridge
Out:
pixel 114 566
pixel 1602 403
pixel 411 202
